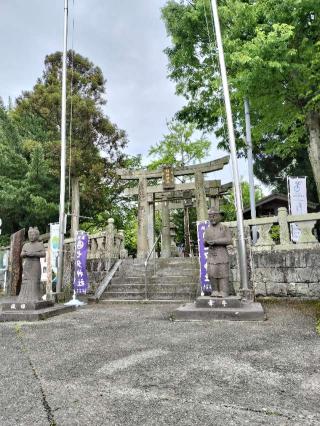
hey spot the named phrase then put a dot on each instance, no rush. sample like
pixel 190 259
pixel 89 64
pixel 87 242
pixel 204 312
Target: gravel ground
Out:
pixel 129 365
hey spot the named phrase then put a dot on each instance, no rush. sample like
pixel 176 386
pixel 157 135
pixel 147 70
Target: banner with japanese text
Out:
pixel 298 202
pixel 80 283
pixel 203 255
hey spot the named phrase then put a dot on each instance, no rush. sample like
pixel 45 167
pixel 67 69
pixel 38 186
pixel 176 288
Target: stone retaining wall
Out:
pixel 291 273
pixel 287 273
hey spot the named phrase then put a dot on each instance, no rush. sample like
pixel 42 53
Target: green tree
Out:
pixel 178 147
pixel 273 170
pixel 96 147
pixel 22 199
pixel 272 54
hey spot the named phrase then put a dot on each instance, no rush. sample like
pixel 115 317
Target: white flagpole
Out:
pixel 234 162
pixel 63 150
pixel 250 169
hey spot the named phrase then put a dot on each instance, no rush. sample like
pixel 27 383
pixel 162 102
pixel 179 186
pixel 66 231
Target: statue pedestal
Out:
pixel 15 310
pixel 230 308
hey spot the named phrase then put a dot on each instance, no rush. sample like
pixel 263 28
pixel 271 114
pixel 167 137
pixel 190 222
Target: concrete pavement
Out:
pixel 129 365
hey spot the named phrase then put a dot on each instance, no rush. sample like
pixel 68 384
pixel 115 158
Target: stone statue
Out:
pixel 217 237
pixel 31 253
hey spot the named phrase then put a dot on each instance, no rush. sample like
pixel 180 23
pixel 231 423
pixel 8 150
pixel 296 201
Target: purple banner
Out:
pixel 203 254
pixel 80 283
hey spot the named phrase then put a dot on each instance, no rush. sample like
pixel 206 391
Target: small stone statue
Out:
pixel 217 237
pixel 31 254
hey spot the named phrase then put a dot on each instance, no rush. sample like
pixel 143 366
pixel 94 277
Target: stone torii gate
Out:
pixel 176 200
pixel 173 199
pixel 146 197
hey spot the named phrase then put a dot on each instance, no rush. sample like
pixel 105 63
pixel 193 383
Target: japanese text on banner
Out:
pixel 80 283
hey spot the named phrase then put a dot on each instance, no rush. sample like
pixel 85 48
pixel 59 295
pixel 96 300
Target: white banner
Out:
pixel 52 260
pixel 298 202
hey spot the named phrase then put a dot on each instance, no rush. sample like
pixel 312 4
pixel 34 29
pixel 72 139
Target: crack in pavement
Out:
pixel 44 401
pixel 265 411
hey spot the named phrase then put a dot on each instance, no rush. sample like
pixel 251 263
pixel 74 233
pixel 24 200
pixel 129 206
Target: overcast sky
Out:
pixel 126 38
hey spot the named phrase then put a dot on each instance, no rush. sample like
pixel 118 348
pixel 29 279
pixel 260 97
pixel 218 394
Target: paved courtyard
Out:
pixel 129 365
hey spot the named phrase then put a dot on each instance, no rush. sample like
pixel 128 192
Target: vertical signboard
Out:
pixel 203 256
pixel 298 202
pixel 168 178
pixel 80 283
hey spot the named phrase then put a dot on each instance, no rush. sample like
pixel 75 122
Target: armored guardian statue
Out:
pixel 217 237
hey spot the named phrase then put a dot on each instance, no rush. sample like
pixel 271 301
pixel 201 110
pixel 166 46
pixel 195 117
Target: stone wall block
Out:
pixel 314 289
pixel 265 259
pixel 291 289
pixel 313 258
pixel 276 289
pixel 271 274
pixel 302 289
pixel 302 275
pixel 260 289
pixel 295 258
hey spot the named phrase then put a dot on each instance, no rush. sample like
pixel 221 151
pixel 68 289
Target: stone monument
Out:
pixel 217 237
pixel 29 306
pixel 15 264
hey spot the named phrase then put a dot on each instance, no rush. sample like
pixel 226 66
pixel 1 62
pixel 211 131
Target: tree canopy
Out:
pixel 273 59
pixel 179 147
pixel 96 143
pixel 26 191
pixel 30 146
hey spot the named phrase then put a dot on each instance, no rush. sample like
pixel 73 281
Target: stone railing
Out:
pixel 104 249
pixel 106 244
pixel 306 224
pixel 281 267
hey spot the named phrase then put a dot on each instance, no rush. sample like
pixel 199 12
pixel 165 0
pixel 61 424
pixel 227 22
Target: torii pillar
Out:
pixel 166 237
pixel 201 198
pixel 143 212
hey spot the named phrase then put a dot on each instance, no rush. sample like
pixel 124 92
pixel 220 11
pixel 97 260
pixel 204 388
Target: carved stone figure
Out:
pixel 31 253
pixel 217 237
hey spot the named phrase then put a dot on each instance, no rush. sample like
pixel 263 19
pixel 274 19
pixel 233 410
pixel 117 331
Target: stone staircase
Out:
pixel 173 279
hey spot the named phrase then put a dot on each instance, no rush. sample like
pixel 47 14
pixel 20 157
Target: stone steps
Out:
pixel 153 286
pixel 158 295
pixel 129 295
pixel 155 280
pixel 176 279
pixel 117 280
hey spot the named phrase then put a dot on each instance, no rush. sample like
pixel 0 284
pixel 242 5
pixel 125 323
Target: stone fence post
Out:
pixel 110 234
pixel 284 226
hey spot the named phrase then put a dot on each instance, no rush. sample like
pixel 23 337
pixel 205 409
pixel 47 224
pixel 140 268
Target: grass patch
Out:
pixel 307 306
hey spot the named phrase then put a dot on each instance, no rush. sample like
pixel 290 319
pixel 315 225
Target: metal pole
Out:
pixel 232 143
pixel 63 149
pixel 250 169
